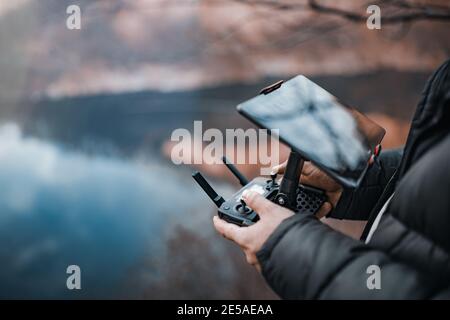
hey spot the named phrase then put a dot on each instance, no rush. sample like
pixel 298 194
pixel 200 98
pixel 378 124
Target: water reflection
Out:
pixel 107 215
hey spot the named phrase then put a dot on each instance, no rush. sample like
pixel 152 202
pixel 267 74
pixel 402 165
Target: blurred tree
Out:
pixel 394 12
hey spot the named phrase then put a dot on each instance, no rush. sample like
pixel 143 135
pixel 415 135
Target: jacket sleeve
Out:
pixel 305 259
pixel 356 204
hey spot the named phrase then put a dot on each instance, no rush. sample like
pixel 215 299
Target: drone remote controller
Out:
pixel 288 193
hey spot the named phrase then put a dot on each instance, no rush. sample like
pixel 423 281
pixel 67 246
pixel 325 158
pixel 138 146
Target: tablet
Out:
pixel 336 138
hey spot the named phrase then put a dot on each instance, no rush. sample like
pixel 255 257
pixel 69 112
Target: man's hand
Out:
pixel 313 176
pixel 252 238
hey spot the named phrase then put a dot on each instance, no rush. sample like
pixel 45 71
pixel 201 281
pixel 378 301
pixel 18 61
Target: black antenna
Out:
pixel 287 195
pixel 218 200
pixel 242 180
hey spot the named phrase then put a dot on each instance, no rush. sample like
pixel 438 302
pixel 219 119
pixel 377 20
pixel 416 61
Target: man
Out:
pixel 405 197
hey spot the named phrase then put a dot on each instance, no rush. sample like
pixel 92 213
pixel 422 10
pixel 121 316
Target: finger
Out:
pixel 312 181
pixel 308 168
pixel 308 180
pixel 258 203
pixel 324 210
pixel 279 168
pixel 251 258
pixel 228 230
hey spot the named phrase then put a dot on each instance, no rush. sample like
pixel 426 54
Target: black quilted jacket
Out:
pixel 305 259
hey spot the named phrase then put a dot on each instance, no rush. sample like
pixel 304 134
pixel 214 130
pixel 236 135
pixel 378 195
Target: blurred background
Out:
pixel 86 117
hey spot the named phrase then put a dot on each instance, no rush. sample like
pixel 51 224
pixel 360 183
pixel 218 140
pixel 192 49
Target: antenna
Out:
pixel 242 180
pixel 287 195
pixel 218 200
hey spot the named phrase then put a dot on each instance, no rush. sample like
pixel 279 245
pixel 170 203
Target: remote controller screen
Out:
pixel 338 139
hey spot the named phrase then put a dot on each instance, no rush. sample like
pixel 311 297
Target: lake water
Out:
pixel 83 181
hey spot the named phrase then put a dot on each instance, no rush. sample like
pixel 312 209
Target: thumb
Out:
pixel 279 168
pixel 258 203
